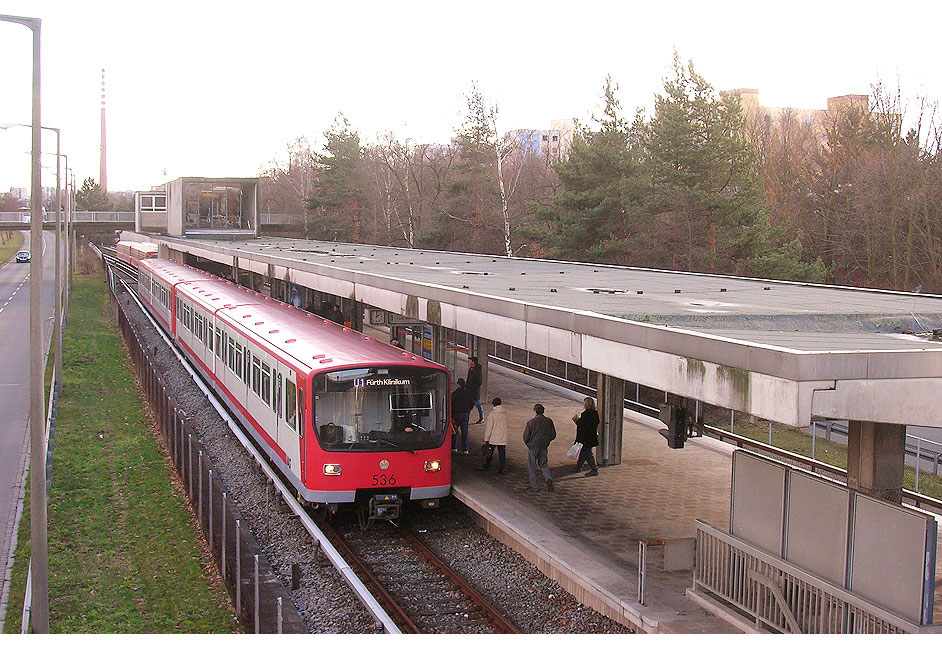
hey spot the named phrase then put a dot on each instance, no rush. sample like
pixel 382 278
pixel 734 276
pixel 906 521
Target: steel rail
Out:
pixel 390 603
pixel 498 619
pixel 356 585
pixel 503 625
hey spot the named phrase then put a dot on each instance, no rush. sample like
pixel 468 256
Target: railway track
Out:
pixel 418 590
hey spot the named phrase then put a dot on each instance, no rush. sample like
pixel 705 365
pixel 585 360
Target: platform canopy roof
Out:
pixel 780 350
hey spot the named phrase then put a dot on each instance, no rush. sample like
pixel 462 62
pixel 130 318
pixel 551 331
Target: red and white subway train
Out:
pixel 131 252
pixel 348 419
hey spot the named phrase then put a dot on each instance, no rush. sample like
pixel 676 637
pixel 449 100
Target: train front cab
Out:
pixel 381 436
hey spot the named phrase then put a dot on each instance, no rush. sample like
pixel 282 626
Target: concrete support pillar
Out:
pixel 875 458
pixel 611 406
pixel 480 347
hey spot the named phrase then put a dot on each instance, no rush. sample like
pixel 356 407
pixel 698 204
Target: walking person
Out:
pixel 587 433
pixel 475 380
pixel 537 435
pixel 461 404
pixel 495 436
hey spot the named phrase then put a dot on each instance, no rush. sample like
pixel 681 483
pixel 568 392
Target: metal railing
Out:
pixel 103 217
pixel 77 217
pixel 50 440
pixel 781 596
pixel 281 219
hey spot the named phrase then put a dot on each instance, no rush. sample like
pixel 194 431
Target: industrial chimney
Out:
pixel 103 173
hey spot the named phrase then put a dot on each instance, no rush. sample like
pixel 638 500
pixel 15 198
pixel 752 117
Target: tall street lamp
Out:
pixel 57 312
pixel 37 461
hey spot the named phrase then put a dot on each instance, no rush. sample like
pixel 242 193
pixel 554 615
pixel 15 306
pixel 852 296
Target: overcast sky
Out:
pixel 218 88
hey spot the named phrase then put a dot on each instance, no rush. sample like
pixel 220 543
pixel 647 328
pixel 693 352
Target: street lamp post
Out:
pixel 37 462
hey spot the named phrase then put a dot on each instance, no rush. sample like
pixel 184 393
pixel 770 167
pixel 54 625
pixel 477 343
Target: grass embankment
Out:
pixel 124 552
pixel 10 242
pixel 830 452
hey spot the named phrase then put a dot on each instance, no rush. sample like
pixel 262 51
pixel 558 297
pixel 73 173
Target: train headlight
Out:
pixel 433 466
pixel 331 469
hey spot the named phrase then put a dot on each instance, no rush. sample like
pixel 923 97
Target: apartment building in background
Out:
pixel 816 118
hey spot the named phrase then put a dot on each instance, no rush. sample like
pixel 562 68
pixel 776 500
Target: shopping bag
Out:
pixel 574 450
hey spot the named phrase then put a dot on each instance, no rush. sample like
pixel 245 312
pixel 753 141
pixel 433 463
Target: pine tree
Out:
pixel 705 187
pixel 336 201
pixel 90 197
pixel 595 215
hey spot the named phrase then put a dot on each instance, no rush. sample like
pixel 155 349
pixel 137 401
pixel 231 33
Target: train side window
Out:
pixel 247 370
pixel 219 342
pixel 291 404
pixel 256 376
pixel 266 384
pixel 239 366
pixel 209 335
pixel 230 353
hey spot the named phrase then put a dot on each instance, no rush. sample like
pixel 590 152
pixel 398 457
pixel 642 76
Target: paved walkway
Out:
pixel 593 525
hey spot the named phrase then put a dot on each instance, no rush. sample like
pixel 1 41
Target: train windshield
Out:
pixel 381 409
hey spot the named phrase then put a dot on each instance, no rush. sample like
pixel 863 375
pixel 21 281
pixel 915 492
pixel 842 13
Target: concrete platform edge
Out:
pixel 724 613
pixel 584 590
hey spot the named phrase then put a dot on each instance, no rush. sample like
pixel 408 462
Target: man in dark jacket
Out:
pixel 475 380
pixel 461 404
pixel 587 433
pixel 537 435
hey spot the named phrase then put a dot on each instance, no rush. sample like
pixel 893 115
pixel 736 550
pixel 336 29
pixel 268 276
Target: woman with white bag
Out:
pixel 587 434
pixel 495 436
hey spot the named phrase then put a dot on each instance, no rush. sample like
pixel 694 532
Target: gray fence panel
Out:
pixel 817 523
pixel 889 560
pixel 757 506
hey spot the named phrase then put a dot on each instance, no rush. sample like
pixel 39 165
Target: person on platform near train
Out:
pixel 537 435
pixel 495 436
pixel 461 404
pixel 475 380
pixel 336 315
pixel 587 433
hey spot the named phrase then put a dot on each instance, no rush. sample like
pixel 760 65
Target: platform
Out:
pixel 585 533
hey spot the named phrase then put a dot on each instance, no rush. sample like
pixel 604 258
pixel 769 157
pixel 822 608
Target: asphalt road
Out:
pixel 14 380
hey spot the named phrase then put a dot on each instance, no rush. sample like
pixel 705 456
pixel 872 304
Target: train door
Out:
pixel 286 381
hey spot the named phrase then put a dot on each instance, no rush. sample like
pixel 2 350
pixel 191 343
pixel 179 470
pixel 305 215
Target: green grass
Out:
pixel 11 242
pixel 124 552
pixel 829 452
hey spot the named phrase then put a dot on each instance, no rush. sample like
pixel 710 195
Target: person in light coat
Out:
pixel 495 436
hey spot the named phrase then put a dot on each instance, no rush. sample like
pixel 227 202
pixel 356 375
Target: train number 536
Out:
pixel 384 480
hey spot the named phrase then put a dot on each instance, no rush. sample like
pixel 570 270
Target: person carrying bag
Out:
pixel 587 437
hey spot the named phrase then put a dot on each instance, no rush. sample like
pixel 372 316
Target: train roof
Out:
pixel 146 246
pixel 313 342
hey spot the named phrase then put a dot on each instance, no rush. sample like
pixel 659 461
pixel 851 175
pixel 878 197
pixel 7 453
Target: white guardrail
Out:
pixel 783 597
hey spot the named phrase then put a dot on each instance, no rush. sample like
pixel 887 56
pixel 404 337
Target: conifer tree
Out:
pixel 336 201
pixel 90 197
pixel 595 215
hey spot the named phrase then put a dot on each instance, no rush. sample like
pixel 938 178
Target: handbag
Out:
pixel 574 450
